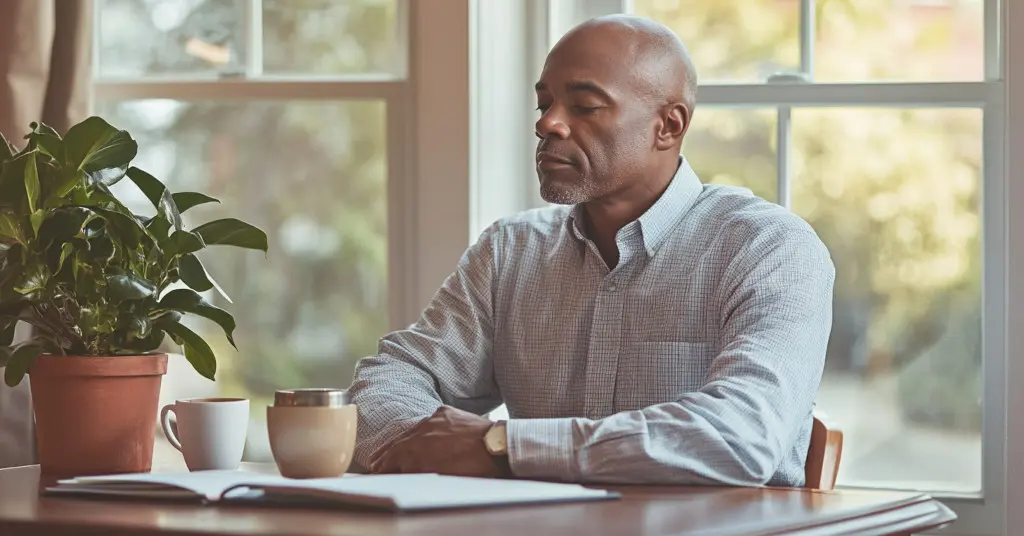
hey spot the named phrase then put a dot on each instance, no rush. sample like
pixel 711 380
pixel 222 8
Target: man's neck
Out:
pixel 606 216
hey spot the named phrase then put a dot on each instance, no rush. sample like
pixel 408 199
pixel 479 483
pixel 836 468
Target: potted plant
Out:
pixel 101 287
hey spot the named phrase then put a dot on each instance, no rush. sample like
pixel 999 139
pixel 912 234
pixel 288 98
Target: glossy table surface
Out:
pixel 642 510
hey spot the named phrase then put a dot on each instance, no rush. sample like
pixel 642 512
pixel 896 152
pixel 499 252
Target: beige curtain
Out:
pixel 45 75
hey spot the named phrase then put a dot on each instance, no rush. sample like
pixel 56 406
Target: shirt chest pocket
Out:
pixel 658 372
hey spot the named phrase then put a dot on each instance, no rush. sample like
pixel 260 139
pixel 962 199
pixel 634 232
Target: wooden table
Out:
pixel 642 511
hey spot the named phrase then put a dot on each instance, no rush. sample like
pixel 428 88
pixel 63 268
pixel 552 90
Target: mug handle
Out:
pixel 170 429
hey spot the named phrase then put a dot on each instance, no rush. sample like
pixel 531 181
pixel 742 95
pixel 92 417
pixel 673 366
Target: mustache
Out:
pixel 547 152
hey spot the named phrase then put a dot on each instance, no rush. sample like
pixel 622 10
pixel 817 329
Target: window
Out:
pixel 293 114
pixel 881 123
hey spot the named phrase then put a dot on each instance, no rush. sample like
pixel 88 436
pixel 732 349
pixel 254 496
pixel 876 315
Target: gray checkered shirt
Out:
pixel 696 360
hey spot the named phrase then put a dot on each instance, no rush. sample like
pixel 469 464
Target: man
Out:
pixel 656 331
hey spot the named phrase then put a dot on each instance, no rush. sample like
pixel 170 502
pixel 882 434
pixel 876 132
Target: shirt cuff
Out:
pixel 542 448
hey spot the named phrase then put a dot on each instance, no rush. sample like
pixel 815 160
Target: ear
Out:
pixel 675 120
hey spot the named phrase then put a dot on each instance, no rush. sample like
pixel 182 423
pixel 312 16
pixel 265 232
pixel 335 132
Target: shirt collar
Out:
pixel 659 220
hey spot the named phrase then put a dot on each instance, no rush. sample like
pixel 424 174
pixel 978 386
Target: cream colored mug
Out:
pixel 312 432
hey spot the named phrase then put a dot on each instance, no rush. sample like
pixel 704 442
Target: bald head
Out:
pixel 616 95
pixel 649 50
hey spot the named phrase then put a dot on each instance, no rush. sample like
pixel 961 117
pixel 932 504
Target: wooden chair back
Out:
pixel 824 455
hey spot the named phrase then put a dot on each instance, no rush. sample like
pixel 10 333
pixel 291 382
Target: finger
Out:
pixel 396 457
pixel 409 455
pixel 392 460
pixel 378 457
pixel 375 465
pixel 387 464
pixel 385 459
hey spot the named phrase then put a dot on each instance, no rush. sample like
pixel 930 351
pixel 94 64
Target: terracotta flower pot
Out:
pixel 96 415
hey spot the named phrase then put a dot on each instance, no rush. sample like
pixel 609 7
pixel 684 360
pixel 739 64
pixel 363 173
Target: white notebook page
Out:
pixel 209 484
pixel 405 491
pixel 425 491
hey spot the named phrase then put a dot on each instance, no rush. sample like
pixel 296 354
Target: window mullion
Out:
pixel 993 300
pixel 97 33
pixel 253 27
pixel 403 34
pixel 807 38
pixel 993 39
pixel 782 154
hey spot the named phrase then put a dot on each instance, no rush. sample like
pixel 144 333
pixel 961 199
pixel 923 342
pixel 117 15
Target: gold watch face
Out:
pixel 495 439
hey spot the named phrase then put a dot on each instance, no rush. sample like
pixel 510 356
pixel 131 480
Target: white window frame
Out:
pixel 511 41
pixel 426 98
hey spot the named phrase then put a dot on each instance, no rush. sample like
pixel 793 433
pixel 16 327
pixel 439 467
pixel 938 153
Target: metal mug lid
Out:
pixel 314 396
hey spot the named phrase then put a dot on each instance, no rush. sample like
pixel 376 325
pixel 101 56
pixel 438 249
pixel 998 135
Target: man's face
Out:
pixel 595 130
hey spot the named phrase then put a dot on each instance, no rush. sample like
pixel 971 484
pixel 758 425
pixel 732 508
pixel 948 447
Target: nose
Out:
pixel 551 123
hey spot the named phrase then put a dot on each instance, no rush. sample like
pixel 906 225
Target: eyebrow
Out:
pixel 585 86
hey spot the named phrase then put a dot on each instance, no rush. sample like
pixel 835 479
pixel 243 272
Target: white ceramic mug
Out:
pixel 209 432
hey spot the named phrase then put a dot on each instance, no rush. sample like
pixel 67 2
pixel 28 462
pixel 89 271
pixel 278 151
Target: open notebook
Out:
pixel 407 492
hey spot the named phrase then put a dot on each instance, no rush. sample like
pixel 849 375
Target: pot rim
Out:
pixel 50 365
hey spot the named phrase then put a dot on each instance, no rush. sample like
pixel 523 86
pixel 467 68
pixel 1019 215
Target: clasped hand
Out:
pixel 449 442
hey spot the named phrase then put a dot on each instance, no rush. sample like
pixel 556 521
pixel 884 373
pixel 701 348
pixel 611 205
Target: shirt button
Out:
pixel 611 287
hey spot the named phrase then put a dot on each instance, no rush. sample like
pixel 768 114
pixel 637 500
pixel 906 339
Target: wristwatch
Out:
pixel 496 439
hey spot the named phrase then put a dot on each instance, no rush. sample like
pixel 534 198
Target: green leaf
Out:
pixel 9 313
pixel 50 145
pixel 7 327
pixel 101 251
pixel 36 219
pixel 12 181
pixel 96 321
pixel 21 360
pixel 184 242
pixel 80 195
pixel 100 150
pixel 102 193
pixel 194 274
pixel 150 343
pixel 189 301
pixel 6 149
pixel 158 194
pixel 129 228
pixel 197 351
pixel 69 179
pixel 10 228
pixel 43 128
pixel 65 223
pixel 187 200
pixel 139 327
pixel 34 281
pixel 11 271
pixel 158 227
pixel 232 232
pixel 153 188
pixel 153 256
pixel 66 249
pixel 32 182
pixel 129 287
pixel 126 229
